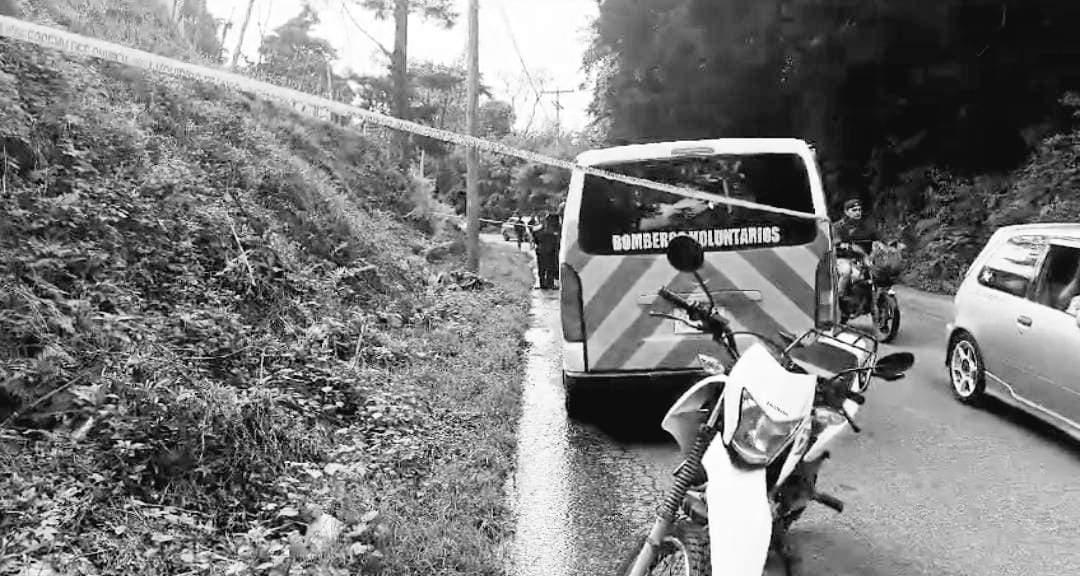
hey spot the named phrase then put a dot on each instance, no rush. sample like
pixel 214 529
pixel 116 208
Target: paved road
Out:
pixel 932 487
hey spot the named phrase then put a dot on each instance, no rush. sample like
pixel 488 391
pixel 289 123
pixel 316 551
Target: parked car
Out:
pixel 1016 332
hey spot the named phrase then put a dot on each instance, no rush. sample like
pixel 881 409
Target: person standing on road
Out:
pixel 530 227
pixel 519 228
pixel 547 251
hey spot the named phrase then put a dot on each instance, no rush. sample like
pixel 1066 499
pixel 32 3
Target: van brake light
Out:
pixel 824 282
pixel 573 314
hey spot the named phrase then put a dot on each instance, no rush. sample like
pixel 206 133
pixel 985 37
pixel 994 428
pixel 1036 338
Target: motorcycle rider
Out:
pixel 854 236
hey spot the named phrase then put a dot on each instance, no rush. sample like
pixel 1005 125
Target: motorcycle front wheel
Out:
pixel 684 552
pixel 888 317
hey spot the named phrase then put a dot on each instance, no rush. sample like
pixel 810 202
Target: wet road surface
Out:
pixel 931 487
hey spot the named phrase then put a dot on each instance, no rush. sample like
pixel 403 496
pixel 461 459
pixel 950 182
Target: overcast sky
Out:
pixel 551 35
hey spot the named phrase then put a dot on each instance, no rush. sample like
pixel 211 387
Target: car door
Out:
pixel 1051 343
pixel 1002 309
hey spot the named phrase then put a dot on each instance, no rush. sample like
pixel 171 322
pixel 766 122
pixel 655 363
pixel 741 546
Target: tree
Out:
pixel 201 28
pixel 878 87
pixel 293 57
pixel 438 10
pixel 496 119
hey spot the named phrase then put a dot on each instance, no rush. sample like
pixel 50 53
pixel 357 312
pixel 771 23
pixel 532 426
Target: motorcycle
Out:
pixel 775 413
pixel 873 294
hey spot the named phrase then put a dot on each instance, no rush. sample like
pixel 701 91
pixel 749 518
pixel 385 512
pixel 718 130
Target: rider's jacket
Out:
pixel 861 232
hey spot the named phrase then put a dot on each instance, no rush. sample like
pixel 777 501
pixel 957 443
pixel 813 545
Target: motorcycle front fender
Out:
pixel 684 417
pixel 740 518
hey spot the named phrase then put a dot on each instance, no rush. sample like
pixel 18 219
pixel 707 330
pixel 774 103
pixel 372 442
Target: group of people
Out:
pixel 544 235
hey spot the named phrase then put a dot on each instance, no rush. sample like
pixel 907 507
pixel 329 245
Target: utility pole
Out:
pixel 178 14
pixel 399 72
pixel 472 156
pixel 558 106
pixel 225 31
pixel 243 31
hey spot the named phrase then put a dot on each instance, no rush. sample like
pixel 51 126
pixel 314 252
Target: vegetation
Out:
pixel 927 109
pixel 234 340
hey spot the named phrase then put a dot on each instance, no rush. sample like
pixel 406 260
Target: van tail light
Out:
pixel 825 291
pixel 573 313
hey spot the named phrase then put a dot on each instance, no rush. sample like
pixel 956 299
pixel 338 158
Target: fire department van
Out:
pixel 766 271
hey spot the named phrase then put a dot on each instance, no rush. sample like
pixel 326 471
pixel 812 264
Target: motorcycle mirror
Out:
pixel 893 366
pixel 685 254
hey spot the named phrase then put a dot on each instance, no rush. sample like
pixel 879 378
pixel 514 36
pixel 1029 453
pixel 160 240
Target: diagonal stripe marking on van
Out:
pixel 679 353
pixel 788 299
pixel 775 299
pixel 610 278
pixel 799 290
pixel 743 313
pixel 803 260
pixel 592 275
pixel 642 325
pixel 620 302
pixel 576 258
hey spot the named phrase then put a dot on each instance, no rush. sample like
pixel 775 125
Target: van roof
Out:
pixel 1068 229
pixel 718 146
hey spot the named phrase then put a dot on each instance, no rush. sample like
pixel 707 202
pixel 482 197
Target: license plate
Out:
pixel 679 327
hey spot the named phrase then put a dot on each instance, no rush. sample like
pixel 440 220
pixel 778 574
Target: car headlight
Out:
pixel 758 439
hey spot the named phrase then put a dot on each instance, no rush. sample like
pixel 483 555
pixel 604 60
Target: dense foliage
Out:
pixel 883 89
pixel 223 324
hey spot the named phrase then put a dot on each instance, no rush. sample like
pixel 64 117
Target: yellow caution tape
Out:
pixel 49 37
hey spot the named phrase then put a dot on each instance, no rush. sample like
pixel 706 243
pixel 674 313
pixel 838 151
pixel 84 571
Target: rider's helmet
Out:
pixel 853 208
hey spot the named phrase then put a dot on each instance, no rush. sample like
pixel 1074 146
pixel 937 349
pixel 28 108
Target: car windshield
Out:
pixel 621 218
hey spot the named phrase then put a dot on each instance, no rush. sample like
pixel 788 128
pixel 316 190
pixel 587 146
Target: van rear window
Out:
pixel 618 218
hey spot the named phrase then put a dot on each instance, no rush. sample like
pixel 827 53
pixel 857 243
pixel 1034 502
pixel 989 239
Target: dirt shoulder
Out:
pixel 405 477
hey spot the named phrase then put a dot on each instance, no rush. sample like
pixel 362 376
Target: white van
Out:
pixel 766 271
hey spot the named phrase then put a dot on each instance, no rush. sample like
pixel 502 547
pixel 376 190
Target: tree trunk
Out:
pixel 472 158
pixel 399 74
pixel 243 31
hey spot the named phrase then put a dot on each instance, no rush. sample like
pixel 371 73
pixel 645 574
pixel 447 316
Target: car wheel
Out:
pixel 966 370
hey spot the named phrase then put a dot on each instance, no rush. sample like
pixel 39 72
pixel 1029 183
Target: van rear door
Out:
pixel 762 269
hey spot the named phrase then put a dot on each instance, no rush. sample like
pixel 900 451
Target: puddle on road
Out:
pixel 542 488
pixel 579 497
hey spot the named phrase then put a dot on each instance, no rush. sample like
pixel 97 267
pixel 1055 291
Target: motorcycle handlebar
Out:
pixel 678 301
pixel 697 312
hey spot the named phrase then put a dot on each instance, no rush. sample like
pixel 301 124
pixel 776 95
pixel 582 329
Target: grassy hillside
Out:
pixel 220 321
pixel 946 220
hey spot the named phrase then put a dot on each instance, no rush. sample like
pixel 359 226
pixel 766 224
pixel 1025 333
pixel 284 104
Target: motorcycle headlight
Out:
pixel 758 439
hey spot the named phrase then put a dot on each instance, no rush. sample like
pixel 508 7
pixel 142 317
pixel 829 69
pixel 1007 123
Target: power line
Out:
pixel 382 48
pixel 524 68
